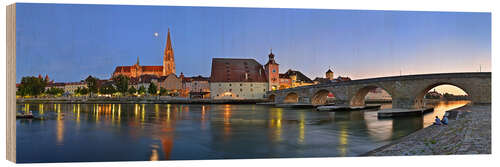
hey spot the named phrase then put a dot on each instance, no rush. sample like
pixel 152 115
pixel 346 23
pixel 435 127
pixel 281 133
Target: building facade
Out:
pixel 171 83
pixel 73 86
pixel 137 70
pixel 237 79
pixel 195 87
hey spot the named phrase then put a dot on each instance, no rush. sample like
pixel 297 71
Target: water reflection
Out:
pixel 171 131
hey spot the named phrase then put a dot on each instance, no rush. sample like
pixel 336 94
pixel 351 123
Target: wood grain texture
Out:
pixel 11 83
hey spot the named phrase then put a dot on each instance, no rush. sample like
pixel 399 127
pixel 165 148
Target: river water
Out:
pixel 115 132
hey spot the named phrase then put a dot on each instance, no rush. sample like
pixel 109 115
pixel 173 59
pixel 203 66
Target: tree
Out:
pixel 132 90
pixel 78 90
pixel 83 91
pixel 92 85
pixel 121 83
pixel 142 90
pixel 55 91
pixel 33 86
pixel 108 89
pixel 163 91
pixel 152 89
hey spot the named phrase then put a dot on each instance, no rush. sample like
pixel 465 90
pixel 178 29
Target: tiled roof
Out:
pixel 127 69
pixel 147 78
pixel 300 76
pixel 237 70
pixel 152 68
pixel 123 69
pixel 196 78
pixel 321 80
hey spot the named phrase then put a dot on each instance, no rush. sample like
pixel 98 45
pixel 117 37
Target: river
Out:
pixel 126 132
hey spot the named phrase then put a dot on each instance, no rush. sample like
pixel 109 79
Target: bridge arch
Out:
pixel 419 99
pixel 291 97
pixel 272 98
pixel 358 99
pixel 320 97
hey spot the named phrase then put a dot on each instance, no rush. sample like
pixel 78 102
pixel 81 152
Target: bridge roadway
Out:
pixel 406 91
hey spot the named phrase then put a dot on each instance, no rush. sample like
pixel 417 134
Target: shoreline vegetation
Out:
pixel 150 100
pixel 135 100
pixel 469 132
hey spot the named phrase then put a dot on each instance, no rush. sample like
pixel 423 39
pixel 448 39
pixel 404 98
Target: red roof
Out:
pixel 237 70
pixel 144 68
pixel 123 69
pixel 152 68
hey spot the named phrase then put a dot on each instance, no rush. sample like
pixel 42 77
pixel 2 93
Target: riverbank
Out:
pixel 468 132
pixel 135 100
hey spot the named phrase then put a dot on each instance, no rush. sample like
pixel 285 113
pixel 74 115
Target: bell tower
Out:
pixel 272 73
pixel 168 57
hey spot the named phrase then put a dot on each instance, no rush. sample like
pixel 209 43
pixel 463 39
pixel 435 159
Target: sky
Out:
pixel 70 42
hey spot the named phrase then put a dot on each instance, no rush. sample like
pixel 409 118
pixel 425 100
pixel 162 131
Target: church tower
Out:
pixel 329 74
pixel 272 72
pixel 168 57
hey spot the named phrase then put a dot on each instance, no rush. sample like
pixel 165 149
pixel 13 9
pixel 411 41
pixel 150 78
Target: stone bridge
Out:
pixel 406 91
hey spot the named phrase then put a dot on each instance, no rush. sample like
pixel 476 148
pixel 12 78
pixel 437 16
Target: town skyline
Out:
pixel 114 40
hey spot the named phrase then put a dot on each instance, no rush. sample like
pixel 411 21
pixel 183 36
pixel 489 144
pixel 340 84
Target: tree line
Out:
pixel 119 86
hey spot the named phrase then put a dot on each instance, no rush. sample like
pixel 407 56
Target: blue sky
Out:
pixel 70 42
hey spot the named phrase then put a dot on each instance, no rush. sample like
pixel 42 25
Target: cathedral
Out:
pixel 137 70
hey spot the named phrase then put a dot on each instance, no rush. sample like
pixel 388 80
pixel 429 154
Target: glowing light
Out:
pixel 119 113
pixel 302 128
pixel 41 109
pixel 227 120
pixel 343 140
pixel 142 113
pixel 168 112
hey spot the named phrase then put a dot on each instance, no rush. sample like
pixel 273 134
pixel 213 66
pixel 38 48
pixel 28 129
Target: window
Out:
pixel 237 95
pixel 229 84
pixel 251 89
pixel 264 90
pixel 251 84
pixel 241 90
pixel 241 84
pixel 230 90
pixel 217 94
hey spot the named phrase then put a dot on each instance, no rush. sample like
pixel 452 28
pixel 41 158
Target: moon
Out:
pixel 156 34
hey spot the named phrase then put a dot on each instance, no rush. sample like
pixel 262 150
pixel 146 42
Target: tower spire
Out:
pixel 169 42
pixel 168 58
pixel 137 60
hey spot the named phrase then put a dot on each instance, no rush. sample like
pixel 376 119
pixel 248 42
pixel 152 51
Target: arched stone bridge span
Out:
pixel 406 91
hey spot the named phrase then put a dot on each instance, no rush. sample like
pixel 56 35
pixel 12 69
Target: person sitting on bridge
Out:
pixel 444 120
pixel 437 121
